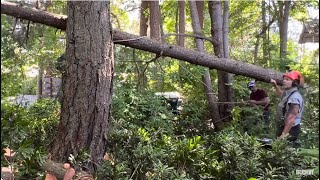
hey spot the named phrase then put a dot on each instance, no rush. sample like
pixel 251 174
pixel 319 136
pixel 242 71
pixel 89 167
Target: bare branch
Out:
pixel 152 60
pixel 188 35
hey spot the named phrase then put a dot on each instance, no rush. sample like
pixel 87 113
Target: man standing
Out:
pixel 260 97
pixel 290 108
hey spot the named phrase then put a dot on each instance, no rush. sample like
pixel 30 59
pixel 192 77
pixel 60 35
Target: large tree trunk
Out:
pixel 238 67
pixel 229 77
pixel 217 36
pixel 87 82
pixel 212 106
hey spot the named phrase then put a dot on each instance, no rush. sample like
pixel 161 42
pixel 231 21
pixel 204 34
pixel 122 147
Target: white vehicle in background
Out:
pixel 174 99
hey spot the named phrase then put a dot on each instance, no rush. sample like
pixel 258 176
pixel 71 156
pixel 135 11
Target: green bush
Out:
pixel 138 148
pixel 28 132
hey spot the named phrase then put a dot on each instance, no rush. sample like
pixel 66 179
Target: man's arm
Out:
pixel 278 90
pixel 292 115
pixel 263 101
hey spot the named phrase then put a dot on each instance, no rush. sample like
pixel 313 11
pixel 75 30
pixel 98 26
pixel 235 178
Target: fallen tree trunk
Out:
pixel 54 168
pixel 146 44
pixel 58 170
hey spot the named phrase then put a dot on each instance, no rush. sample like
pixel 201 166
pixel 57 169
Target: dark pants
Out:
pixel 293 133
pixel 266 116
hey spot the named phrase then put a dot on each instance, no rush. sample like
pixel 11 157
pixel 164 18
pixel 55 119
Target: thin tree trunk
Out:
pixel 142 78
pixel 256 50
pixel 257 43
pixel 181 30
pixel 39 91
pixel 282 14
pixel 263 34
pixel 229 77
pixel 155 33
pixel 215 12
pixel 176 25
pixel 155 18
pixel 87 83
pixel 264 37
pixel 182 14
pixel 200 6
pixel 212 106
pixel 284 34
pixel 143 18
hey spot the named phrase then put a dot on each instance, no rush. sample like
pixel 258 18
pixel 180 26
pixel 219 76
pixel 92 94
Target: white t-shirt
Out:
pixel 296 98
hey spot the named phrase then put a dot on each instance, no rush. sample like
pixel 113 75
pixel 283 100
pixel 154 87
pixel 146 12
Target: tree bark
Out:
pixel 198 58
pixel 229 77
pixel 59 171
pixel 181 30
pixel 237 67
pixel 142 78
pixel 262 34
pixel 200 6
pixel 143 18
pixel 256 51
pixel 284 34
pixel 264 37
pixel 282 14
pixel 155 33
pixel 215 12
pixel 155 18
pixel 212 106
pixel 33 14
pixel 182 17
pixel 40 83
pixel 87 83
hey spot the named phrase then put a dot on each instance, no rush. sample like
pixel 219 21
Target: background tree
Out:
pixel 282 13
pixel 212 106
pixel 180 28
pixel 225 33
pixel 215 11
pixel 142 78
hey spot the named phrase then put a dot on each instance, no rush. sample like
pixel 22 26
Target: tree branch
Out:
pixel 188 35
pixel 264 29
pixel 143 43
pixel 33 14
pixel 152 60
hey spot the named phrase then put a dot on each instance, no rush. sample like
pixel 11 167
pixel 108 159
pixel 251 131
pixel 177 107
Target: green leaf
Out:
pixel 309 152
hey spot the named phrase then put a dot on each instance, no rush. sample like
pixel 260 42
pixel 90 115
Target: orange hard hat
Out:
pixel 295 75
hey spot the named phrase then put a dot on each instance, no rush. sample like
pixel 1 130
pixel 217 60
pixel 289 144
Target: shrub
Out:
pixel 28 132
